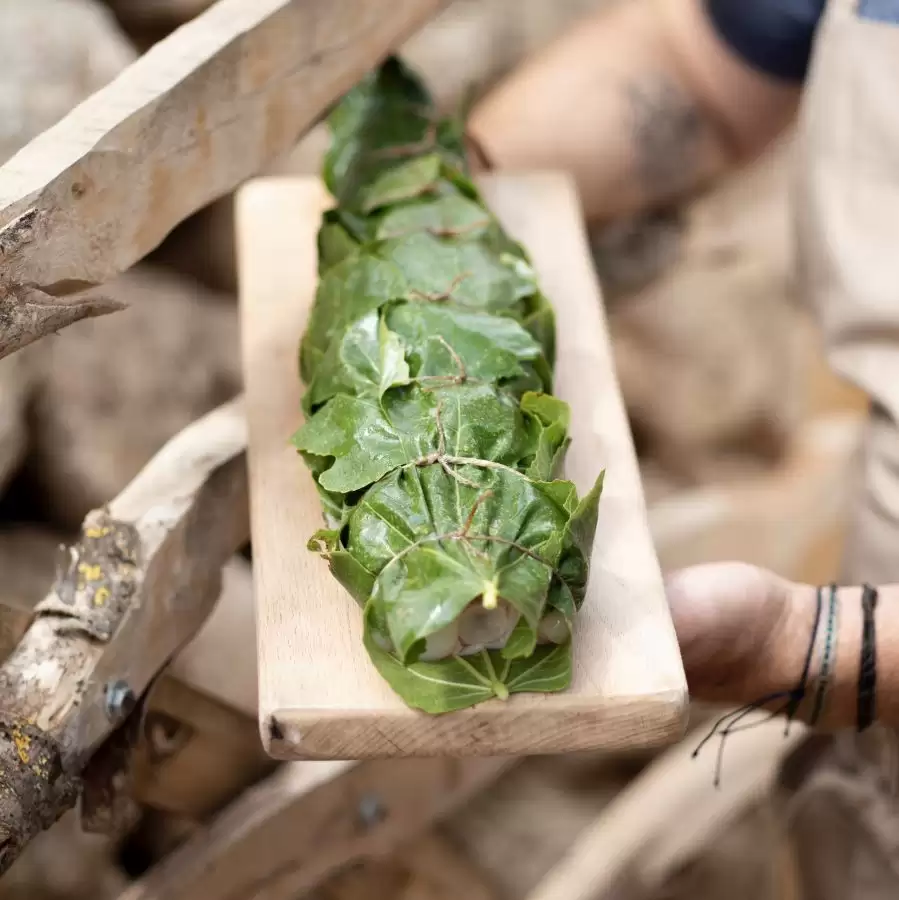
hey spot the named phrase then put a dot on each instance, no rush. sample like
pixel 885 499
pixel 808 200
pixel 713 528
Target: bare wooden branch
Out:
pixel 291 832
pixel 136 587
pixel 139 13
pixel 194 754
pixel 446 870
pixel 200 112
pixel 628 851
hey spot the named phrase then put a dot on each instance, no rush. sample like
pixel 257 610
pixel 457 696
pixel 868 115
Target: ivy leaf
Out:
pixel 368 439
pixel 521 642
pixel 446 336
pixel 390 108
pixel 394 369
pixel 583 522
pixel 403 182
pixel 540 320
pixel 464 271
pixel 448 216
pixel 553 415
pixel 366 361
pixel 431 433
pixel 333 505
pixel 548 669
pixel 335 242
pixel 433 687
pixel 418 267
pixel 359 284
pixel 562 591
pixel 363 441
pixel 357 580
pixel 459 682
pixel 409 529
pixel 570 583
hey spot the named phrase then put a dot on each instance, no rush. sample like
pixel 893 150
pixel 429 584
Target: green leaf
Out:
pixel 553 415
pixel 570 584
pixel 540 320
pixel 548 409
pixel 434 688
pixel 521 642
pixel 431 434
pixel 451 341
pixel 561 594
pixel 418 267
pixel 333 505
pixel 583 522
pixel 344 567
pixel 366 361
pixel 459 682
pixel 335 243
pixel 393 367
pixel 448 216
pixel 363 441
pixel 547 670
pixel 464 271
pixel 359 284
pixel 389 109
pixel 408 528
pixel 404 181
pixel 368 439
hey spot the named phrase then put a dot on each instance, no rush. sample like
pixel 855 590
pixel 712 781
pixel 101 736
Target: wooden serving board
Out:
pixel 320 697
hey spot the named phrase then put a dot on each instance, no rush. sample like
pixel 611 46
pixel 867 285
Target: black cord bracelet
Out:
pixel 867 672
pixel 797 695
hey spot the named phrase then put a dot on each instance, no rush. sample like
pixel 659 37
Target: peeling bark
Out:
pixel 136 587
pixel 34 789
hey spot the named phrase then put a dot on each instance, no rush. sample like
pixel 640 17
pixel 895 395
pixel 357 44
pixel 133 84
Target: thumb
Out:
pixel 728 618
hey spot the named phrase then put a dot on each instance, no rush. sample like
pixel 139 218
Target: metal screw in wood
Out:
pixel 120 701
pixel 371 810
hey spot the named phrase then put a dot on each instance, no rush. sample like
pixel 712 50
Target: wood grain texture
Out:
pixel 288 834
pixel 201 111
pixel 319 695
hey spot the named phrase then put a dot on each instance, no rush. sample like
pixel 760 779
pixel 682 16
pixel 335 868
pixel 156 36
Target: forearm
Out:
pixel 641 103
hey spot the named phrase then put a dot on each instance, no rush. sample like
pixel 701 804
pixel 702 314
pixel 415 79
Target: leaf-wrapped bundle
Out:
pixel 431 431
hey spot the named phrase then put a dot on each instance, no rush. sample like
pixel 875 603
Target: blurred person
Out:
pixel 645 103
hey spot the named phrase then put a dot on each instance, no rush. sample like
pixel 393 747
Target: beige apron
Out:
pixel 848 218
pixel 840 795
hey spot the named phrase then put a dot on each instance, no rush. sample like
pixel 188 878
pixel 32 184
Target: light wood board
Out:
pixel 320 697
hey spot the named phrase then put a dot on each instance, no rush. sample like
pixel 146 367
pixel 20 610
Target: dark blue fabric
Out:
pixel 880 10
pixel 775 36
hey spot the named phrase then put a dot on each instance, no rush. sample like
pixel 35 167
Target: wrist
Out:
pixel 840 706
